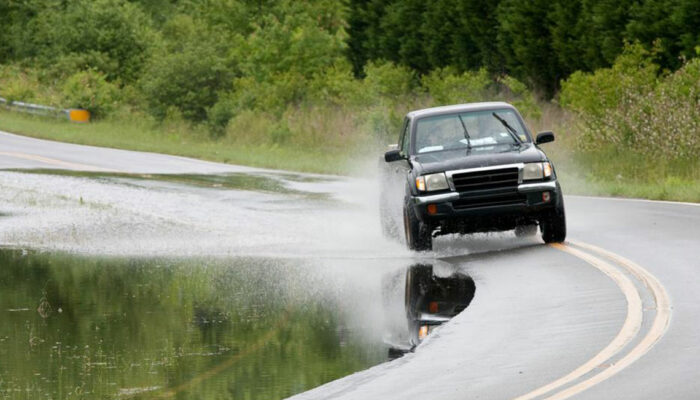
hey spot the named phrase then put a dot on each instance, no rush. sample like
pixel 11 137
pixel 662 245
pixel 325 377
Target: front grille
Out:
pixel 505 178
pixel 498 199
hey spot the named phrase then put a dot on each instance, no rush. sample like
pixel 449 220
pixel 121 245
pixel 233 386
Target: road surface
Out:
pixel 613 313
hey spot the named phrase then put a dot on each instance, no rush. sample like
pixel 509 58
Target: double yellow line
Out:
pixel 576 381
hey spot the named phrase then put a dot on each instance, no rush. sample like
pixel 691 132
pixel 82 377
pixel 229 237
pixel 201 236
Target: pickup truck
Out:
pixel 469 168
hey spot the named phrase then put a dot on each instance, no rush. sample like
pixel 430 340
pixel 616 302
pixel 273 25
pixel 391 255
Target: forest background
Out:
pixel 322 85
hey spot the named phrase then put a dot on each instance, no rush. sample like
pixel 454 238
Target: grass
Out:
pixel 177 139
pixel 614 172
pixel 607 173
pixel 628 176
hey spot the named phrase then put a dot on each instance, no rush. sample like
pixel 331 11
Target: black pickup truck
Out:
pixel 469 168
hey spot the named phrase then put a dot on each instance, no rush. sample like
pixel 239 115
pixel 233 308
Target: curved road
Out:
pixel 614 313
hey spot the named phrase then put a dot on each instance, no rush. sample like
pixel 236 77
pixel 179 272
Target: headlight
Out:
pixel 432 182
pixel 533 171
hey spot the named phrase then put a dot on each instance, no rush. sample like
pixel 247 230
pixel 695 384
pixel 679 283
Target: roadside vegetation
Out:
pixel 312 86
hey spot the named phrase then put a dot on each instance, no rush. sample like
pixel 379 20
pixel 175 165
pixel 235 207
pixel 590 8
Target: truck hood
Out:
pixel 476 157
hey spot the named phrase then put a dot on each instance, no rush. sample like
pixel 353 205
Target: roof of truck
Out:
pixel 459 108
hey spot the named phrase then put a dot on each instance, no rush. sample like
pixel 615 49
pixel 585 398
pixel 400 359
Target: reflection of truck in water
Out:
pixel 429 301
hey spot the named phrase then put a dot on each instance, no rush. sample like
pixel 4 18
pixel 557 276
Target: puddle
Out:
pixel 91 327
pixel 273 183
pixel 255 286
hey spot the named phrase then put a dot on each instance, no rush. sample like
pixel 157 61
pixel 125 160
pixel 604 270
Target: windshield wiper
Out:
pixel 466 133
pixel 512 131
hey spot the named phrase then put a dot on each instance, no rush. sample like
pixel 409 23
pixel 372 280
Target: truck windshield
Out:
pixel 446 132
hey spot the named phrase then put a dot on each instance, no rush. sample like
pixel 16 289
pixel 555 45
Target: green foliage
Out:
pixel 90 90
pixel 669 26
pixel 448 87
pixel 336 85
pixel 517 93
pixel 628 108
pixel 281 59
pixel 332 74
pixel 189 80
pixel 538 42
pixel 111 36
pixel 17 85
pixel 599 33
pixel 523 40
pixel 298 41
pixel 385 80
pixel 596 93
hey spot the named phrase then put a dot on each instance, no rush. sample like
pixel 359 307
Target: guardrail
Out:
pixel 73 114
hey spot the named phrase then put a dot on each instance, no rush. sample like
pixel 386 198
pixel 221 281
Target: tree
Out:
pixel 477 35
pixel 111 36
pixel 524 41
pixel 670 26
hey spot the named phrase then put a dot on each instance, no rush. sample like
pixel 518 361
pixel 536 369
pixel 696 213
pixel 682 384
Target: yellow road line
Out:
pixel 629 330
pixel 55 162
pixel 658 327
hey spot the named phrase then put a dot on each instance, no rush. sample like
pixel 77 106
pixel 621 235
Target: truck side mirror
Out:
pixel 393 155
pixel 544 137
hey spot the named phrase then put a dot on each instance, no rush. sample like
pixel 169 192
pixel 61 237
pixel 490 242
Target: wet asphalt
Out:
pixel 538 313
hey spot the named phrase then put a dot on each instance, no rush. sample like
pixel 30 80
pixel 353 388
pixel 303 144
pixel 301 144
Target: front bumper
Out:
pixel 487 210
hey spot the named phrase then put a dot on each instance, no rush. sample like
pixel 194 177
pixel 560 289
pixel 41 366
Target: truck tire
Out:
pixel 418 234
pixel 553 225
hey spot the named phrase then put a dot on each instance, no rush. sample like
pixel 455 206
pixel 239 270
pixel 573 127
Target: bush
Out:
pixel 446 86
pixel 385 80
pixel 91 91
pixel 297 40
pixel 336 85
pixel 630 108
pixel 272 96
pixel 517 93
pixel 250 127
pixel 112 36
pixel 23 84
pixel 21 88
pixel 189 80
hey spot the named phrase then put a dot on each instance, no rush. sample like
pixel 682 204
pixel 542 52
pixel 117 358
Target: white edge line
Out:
pixel 683 203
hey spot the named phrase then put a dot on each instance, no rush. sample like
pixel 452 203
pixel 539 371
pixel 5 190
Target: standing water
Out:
pixel 87 327
pixel 255 286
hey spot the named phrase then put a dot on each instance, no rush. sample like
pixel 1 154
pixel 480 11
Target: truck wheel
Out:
pixel 418 234
pixel 553 226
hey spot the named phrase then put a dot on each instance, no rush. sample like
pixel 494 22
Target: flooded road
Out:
pixel 255 286
pixel 91 327
pixel 213 215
